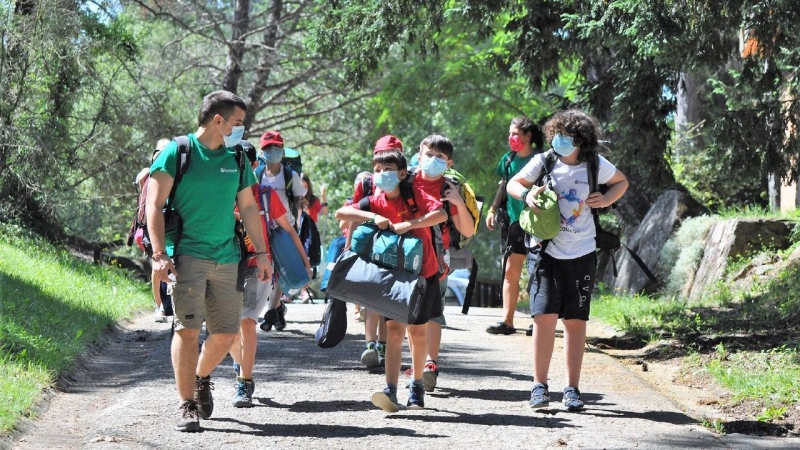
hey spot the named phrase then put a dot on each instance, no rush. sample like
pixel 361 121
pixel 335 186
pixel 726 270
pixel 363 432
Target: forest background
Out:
pixel 88 87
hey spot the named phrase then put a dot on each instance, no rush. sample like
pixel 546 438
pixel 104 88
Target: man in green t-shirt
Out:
pixel 206 255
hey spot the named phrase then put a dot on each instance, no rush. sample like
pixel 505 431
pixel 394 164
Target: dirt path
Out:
pixel 312 398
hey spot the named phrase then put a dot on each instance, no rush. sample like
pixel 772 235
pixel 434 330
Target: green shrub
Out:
pixel 681 255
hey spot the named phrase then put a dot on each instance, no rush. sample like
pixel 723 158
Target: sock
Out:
pixel 417 383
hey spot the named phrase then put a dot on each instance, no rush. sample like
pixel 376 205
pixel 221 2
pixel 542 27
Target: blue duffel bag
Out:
pixel 288 262
pixel 393 293
pixel 334 250
pixel 383 247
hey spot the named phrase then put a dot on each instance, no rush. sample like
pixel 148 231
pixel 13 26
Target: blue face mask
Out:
pixel 273 156
pixel 386 180
pixel 563 145
pixel 433 166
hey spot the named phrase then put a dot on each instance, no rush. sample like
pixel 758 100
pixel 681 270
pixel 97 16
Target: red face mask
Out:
pixel 515 144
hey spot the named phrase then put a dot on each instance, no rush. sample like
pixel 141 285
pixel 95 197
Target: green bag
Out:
pixel 546 223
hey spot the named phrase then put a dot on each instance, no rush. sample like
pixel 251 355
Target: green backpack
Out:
pixel 545 224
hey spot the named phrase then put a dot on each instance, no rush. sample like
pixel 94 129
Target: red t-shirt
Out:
pixel 276 210
pixel 314 209
pixel 396 211
pixel 434 189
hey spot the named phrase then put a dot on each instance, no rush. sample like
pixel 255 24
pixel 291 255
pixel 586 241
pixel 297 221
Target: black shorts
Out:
pixel 516 238
pixel 431 305
pixel 563 286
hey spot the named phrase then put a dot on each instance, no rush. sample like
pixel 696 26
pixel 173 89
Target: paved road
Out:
pixel 311 398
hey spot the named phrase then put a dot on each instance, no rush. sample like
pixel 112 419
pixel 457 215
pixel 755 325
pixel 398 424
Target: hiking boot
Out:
pixel 189 421
pixel 280 322
pixel 501 328
pixel 430 375
pixel 416 396
pixel 381 349
pixel 540 396
pixel 370 357
pixel 572 399
pixel 386 400
pixel 243 393
pixel 202 395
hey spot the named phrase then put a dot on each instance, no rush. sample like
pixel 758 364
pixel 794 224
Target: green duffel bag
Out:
pixel 546 223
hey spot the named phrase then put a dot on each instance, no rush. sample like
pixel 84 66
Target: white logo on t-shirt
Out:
pixel 224 170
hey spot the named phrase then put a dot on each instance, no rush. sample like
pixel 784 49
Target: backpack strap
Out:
pixel 367 186
pixel 288 178
pixel 181 164
pixel 507 166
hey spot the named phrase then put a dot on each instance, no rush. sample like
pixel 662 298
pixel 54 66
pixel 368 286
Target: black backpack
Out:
pixel 309 236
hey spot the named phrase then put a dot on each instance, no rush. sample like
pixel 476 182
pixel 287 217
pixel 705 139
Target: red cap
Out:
pixel 388 142
pixel 271 138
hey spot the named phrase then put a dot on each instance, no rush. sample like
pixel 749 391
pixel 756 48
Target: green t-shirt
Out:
pixel 513 206
pixel 205 199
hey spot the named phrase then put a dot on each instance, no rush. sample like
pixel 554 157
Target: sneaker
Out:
pixel 501 328
pixel 430 375
pixel 237 369
pixel 243 393
pixel 305 296
pixel 381 349
pixel 572 399
pixel 362 314
pixel 270 317
pixel 416 397
pixel 280 322
pixel 386 400
pixel 540 396
pixel 189 421
pixel 529 331
pixel 370 357
pixel 202 395
pixel 160 317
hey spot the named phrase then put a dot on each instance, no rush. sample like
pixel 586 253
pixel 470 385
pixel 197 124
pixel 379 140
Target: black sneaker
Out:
pixel 280 322
pixel 529 331
pixel 501 328
pixel 202 395
pixel 430 375
pixel 572 399
pixel 270 317
pixel 189 421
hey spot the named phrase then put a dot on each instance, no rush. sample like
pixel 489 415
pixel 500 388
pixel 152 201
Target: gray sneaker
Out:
pixel 540 396
pixel 572 399
pixel 203 397
pixel 189 421
pixel 243 393
pixel 370 357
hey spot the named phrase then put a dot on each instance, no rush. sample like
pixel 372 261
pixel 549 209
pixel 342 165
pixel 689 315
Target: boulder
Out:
pixel 734 237
pixel 664 217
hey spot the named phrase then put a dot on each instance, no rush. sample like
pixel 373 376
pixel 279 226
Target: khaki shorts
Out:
pixel 206 291
pixel 256 295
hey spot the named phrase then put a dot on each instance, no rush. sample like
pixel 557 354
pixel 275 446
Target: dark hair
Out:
pixel 583 128
pixel 310 193
pixel 390 157
pixel 527 126
pixel 439 143
pixel 219 102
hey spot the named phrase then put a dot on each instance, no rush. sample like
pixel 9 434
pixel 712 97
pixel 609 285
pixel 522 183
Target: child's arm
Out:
pixel 463 220
pixel 428 220
pixel 283 222
pixel 354 214
pixel 617 185
pixel 519 187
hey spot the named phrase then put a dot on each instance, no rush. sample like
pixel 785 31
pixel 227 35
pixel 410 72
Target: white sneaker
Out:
pixel 160 317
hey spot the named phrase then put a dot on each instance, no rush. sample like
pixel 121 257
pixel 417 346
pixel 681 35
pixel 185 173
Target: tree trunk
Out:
pixel 690 116
pixel 233 66
pixel 265 63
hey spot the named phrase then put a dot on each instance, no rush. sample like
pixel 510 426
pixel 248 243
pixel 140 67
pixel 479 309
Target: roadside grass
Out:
pixel 747 340
pixel 52 306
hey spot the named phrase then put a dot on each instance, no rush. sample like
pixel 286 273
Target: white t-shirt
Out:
pixel 571 184
pixel 278 183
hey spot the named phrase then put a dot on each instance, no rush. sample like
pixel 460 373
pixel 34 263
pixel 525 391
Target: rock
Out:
pixel 664 217
pixel 734 237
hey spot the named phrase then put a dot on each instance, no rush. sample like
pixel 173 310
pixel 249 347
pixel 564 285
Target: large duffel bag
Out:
pixel 384 247
pixel 393 293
